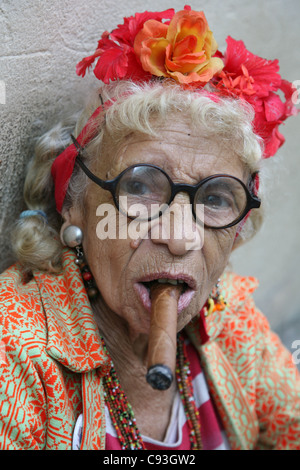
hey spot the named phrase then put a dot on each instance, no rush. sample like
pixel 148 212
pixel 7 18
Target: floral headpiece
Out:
pixel 181 47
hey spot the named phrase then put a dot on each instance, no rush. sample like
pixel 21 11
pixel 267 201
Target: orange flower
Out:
pixel 182 50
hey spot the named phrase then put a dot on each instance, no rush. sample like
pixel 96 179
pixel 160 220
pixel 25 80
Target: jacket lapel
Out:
pixel 94 428
pixel 73 336
pixel 238 418
pixel 74 341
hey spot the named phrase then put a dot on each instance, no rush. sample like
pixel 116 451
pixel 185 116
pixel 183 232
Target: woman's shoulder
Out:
pixel 238 288
pixel 15 286
pixel 244 314
pixel 20 303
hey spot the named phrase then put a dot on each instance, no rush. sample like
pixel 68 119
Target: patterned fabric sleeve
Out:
pixel 39 397
pixel 22 399
pixel 278 395
pixel 259 364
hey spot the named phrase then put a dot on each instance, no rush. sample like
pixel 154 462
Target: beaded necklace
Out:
pixel 122 415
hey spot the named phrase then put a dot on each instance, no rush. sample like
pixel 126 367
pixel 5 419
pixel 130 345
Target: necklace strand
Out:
pixel 185 386
pixel 122 415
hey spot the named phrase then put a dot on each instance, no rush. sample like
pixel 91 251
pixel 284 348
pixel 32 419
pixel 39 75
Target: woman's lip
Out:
pixel 144 295
pixel 190 281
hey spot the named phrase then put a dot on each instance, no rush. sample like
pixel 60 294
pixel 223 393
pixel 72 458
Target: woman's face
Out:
pixel 122 267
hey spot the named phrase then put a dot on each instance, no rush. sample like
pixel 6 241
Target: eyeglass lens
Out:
pixel 143 191
pixel 222 199
pixel 145 186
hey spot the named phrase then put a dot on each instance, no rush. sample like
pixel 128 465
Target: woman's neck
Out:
pixel 152 408
pixel 124 346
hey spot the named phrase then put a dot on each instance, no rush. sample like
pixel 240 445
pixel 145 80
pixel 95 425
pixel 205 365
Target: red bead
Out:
pixel 87 276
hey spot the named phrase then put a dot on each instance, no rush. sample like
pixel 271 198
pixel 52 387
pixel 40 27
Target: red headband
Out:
pixel 63 165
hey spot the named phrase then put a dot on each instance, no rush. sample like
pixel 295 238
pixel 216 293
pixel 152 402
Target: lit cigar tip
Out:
pixel 159 377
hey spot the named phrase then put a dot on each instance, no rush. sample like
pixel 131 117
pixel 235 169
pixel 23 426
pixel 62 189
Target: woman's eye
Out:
pixel 136 187
pixel 218 201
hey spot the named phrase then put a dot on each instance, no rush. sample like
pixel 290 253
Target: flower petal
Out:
pixel 85 64
pixel 188 23
pixel 153 56
pixel 203 75
pixel 214 66
pixel 187 63
pixel 113 64
pixel 274 107
pixel 185 46
pixel 264 72
pixel 183 57
pixel 152 29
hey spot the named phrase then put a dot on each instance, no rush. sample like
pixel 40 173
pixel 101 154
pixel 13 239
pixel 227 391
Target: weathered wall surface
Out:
pixel 40 44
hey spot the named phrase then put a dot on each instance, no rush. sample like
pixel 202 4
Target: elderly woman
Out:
pixel 121 327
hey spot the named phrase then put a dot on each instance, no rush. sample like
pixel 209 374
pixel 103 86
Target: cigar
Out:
pixel 162 337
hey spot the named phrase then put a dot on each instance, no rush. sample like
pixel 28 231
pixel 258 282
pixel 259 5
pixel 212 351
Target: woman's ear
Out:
pixel 71 217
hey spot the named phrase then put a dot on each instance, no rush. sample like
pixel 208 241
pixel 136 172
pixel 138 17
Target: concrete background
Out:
pixel 40 44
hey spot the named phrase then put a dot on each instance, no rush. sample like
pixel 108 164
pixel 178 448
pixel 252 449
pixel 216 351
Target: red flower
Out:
pixel 241 63
pixel 270 112
pixel 257 80
pixel 118 59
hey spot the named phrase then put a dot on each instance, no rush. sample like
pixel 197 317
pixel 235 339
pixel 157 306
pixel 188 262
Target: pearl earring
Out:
pixel 72 237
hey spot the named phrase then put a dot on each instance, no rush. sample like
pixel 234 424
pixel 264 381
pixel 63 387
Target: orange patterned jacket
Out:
pixel 52 364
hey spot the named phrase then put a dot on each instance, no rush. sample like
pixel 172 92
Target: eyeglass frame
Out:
pixel 253 202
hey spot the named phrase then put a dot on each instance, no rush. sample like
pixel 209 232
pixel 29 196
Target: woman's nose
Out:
pixel 177 228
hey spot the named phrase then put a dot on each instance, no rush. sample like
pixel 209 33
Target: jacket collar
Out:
pixel 235 290
pixel 73 336
pixel 224 384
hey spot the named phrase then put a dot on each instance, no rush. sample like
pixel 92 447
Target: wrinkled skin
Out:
pixel 118 265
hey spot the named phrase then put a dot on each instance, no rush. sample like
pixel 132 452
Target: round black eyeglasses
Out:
pixel 144 191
